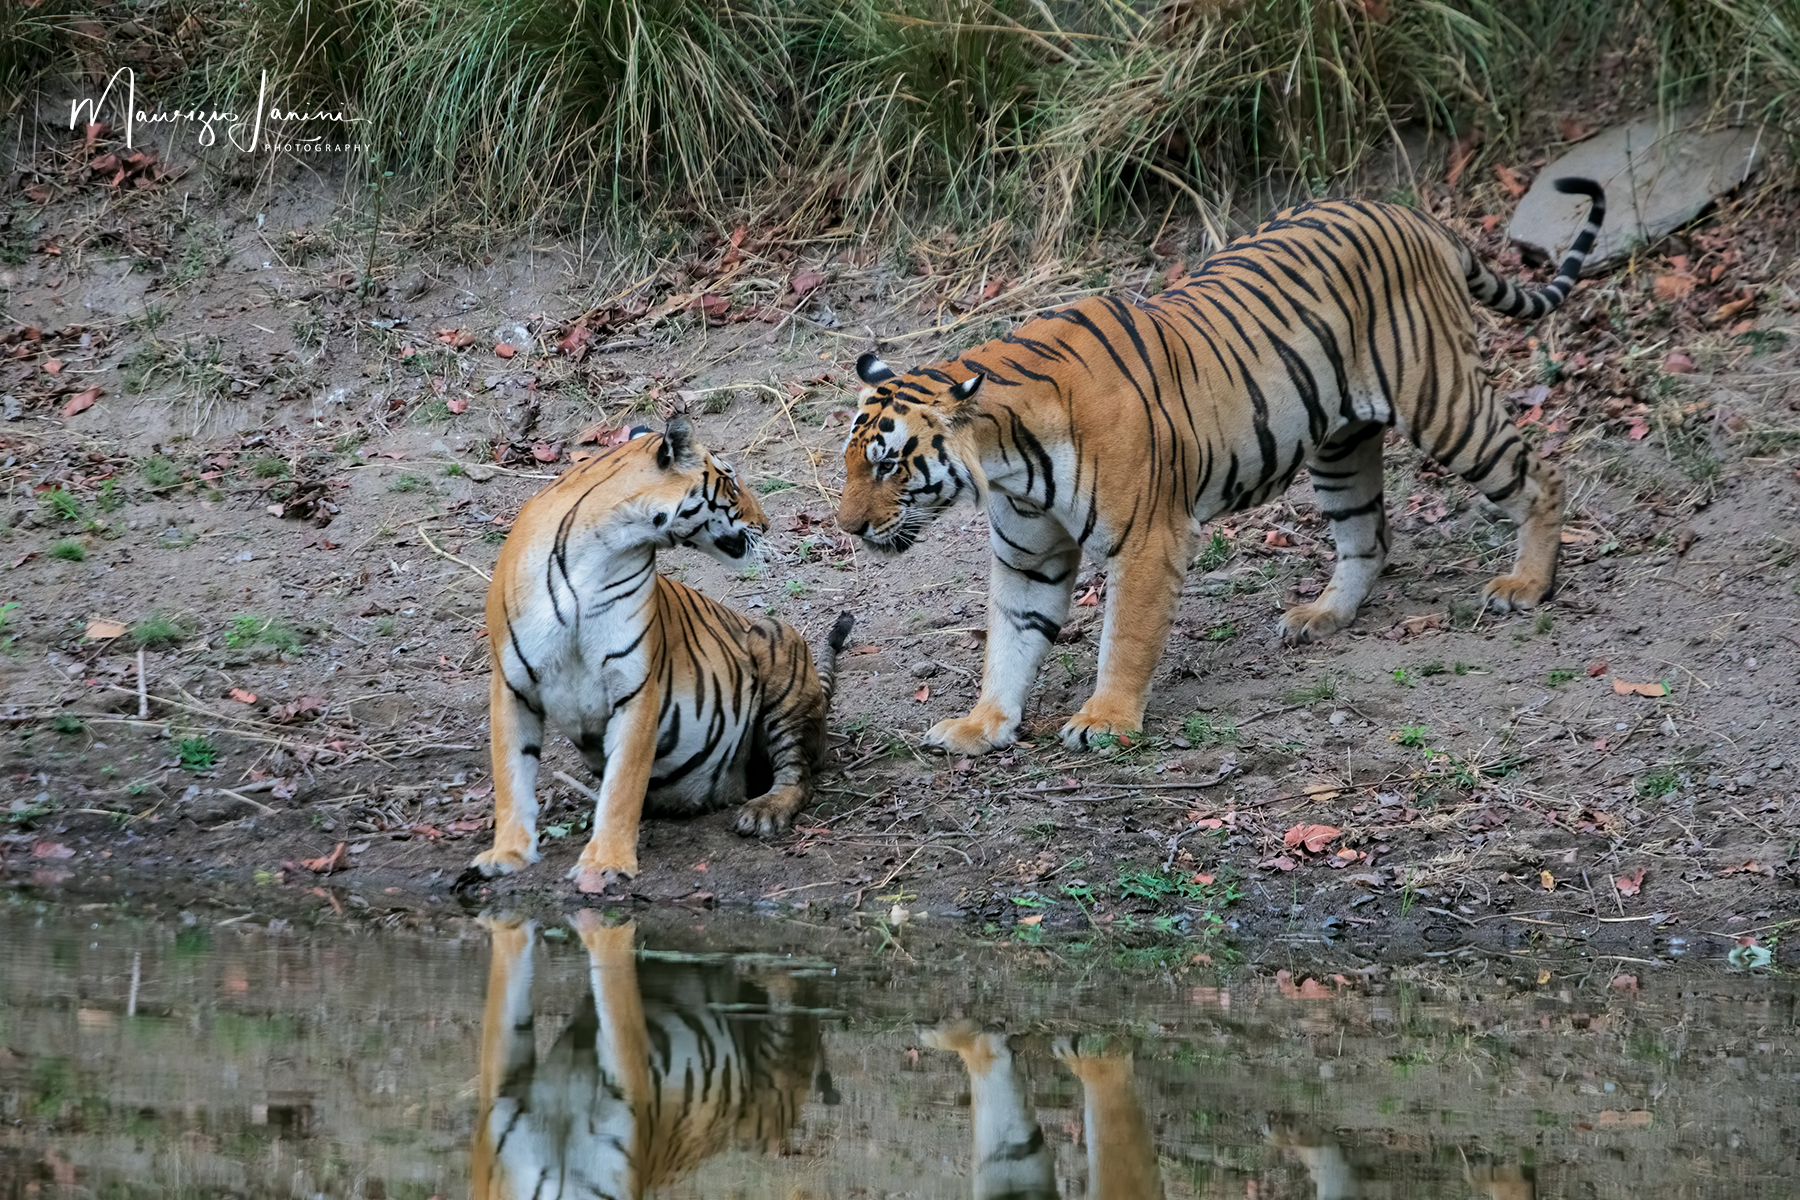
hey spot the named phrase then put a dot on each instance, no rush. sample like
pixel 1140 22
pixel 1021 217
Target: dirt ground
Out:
pixel 307 443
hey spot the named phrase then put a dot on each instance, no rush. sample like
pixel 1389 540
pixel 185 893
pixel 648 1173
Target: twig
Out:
pixel 143 692
pixel 443 553
pixel 256 804
pixel 579 786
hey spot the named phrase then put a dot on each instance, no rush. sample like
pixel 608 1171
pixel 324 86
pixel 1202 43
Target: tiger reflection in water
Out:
pixel 671 1063
pixel 1012 1161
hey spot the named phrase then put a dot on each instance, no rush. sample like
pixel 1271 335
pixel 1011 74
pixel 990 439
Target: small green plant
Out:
pixel 263 877
pixel 159 472
pixel 770 484
pixel 196 754
pixel 64 505
pixel 454 470
pixel 1203 729
pixel 248 629
pixel 1221 633
pixel 1315 692
pixel 1215 554
pixel 68 549
pixel 1427 670
pixel 752 572
pixel 269 467
pixel 407 482
pixel 6 612
pixel 1544 623
pixel 1659 782
pixel 1402 678
pixel 68 724
pixel 795 589
pixel 109 498
pixel 1413 736
pixel 1561 675
pixel 385 626
pixel 1463 668
pixel 156 631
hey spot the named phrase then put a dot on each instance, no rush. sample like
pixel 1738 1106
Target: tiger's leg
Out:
pixel 622 1046
pixel 1489 453
pixel 508 1045
pixel 516 741
pixel 630 748
pixel 1346 477
pixel 1121 1154
pixel 1011 1157
pixel 1030 582
pixel 1143 587
pixel 793 722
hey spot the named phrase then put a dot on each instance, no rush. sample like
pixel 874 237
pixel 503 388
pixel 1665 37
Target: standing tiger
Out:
pixel 1116 428
pixel 668 1065
pixel 676 702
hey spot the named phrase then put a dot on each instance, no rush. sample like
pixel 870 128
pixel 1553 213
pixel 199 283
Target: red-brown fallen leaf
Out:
pixel 805 280
pixel 457 405
pixel 1349 856
pixel 51 850
pixel 1280 862
pixel 545 452
pixel 53 366
pixel 1461 154
pixel 470 824
pixel 322 894
pixel 1509 179
pixel 1307 989
pixel 1750 867
pixel 1313 837
pixel 505 349
pixel 1547 881
pixel 1089 598
pixel 1203 878
pixel 1678 362
pixel 711 304
pixel 1638 430
pixel 1201 822
pixel 869 649
pixel 1367 878
pixel 1637 1118
pixel 458 339
pixel 1673 287
pixel 1628 885
pixel 923 694
pixel 326 864
pixel 1640 689
pixel 1597 668
pixel 1573 130
pixel 1626 983
pixel 241 696
pixel 101 630
pixel 575 338
pixel 1277 538
pixel 81 402
pixel 1033 919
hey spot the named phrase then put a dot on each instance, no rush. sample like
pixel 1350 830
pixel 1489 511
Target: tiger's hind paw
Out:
pixel 772 813
pixel 977 733
pixel 1312 623
pixel 1514 593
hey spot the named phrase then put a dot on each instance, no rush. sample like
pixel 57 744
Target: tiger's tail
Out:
pixel 834 645
pixel 1508 298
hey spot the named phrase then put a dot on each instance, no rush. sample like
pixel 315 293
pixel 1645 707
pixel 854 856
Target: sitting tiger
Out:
pixel 1116 428
pixel 678 703
pixel 668 1064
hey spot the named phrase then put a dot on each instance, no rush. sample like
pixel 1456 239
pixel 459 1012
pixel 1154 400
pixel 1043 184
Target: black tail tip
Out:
pixel 840 632
pixel 1575 186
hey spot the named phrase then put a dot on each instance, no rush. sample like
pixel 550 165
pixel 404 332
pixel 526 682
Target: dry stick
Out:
pixel 143 693
pixel 443 553
pixel 579 786
pixel 256 804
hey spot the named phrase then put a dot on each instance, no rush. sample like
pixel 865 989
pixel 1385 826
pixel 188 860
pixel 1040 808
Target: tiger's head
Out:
pixel 687 497
pixel 911 453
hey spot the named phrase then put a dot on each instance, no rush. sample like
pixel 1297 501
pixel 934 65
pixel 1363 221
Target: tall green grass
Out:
pixel 1054 115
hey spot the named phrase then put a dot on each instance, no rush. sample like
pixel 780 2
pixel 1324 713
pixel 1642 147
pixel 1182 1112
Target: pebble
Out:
pixel 1338 717
pixel 1746 780
pixel 925 670
pixel 479 472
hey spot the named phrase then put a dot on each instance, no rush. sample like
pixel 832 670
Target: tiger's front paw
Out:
pixel 983 730
pixel 595 873
pixel 1312 623
pixel 772 813
pixel 1514 593
pixel 1099 724
pixel 504 859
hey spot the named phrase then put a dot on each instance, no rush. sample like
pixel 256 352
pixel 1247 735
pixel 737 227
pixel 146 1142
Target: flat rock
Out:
pixel 1657 178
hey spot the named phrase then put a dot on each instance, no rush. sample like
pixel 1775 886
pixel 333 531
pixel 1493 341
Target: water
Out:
pixel 193 1058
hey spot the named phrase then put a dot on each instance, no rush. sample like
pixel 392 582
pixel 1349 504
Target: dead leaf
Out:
pixel 1750 867
pixel 805 280
pixel 51 850
pixel 1276 537
pixel 545 452
pixel 457 339
pixel 1678 363
pixel 505 349
pixel 1279 863
pixel 1203 878
pixel 1509 179
pixel 101 630
pixel 1626 983
pixel 1033 919
pixel 1640 689
pixel 53 366
pixel 458 405
pixel 1636 1119
pixel 1461 154
pixel 81 402
pixel 870 649
pixel 1313 837
pixel 1349 856
pixel 923 694
pixel 242 696
pixel 326 864
pixel 1628 885
pixel 1673 287
pixel 1547 881
pixel 1573 130
pixel 1596 668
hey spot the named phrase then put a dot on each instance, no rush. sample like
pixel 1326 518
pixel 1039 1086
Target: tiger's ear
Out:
pixel 871 370
pixel 677 445
pixel 962 396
